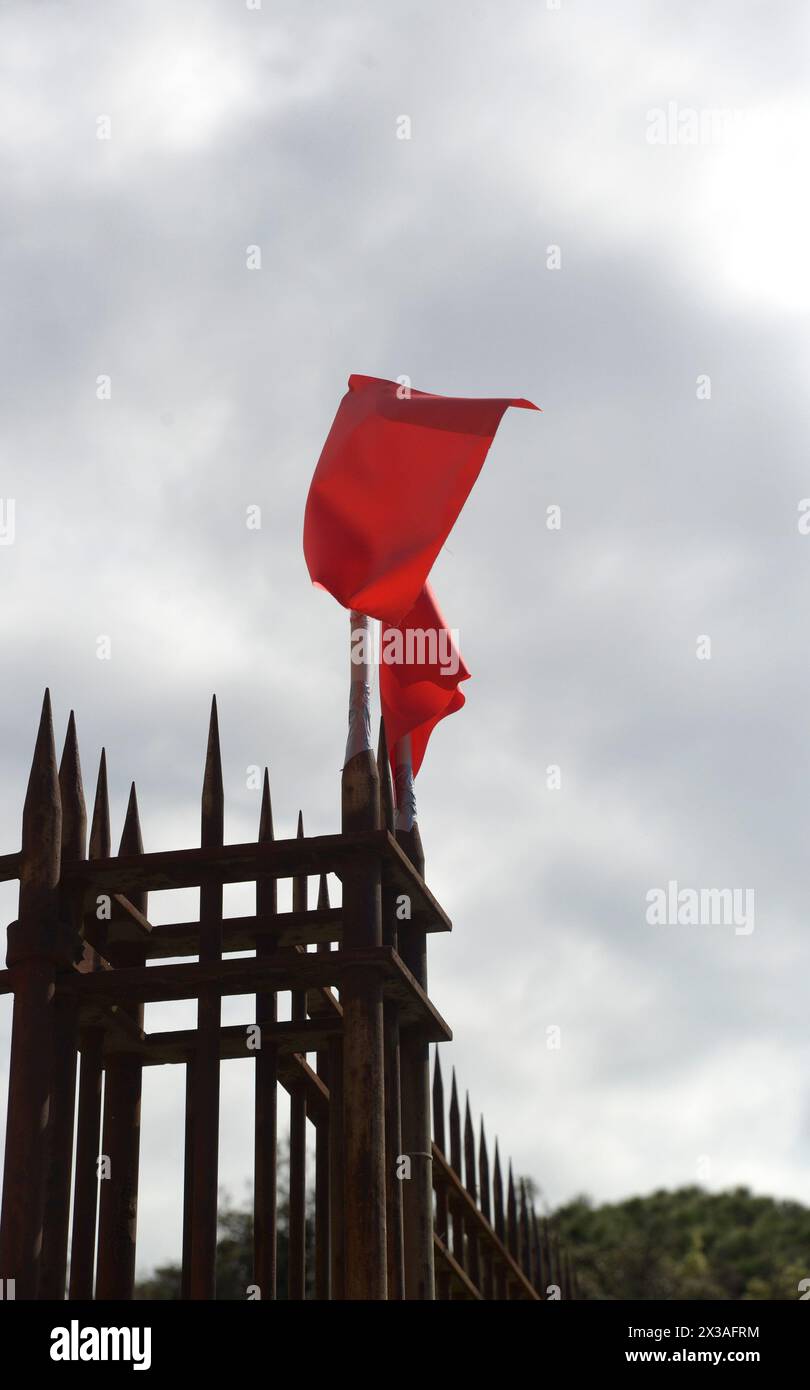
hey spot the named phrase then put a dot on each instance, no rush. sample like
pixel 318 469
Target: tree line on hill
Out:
pixel 687 1244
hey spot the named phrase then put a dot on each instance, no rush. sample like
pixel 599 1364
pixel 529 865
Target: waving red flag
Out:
pixel 420 672
pixel 394 473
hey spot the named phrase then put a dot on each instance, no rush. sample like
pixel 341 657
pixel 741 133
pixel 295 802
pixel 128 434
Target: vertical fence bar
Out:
pixel 470 1182
pixel 205 1126
pixel 337 1210
pixel 442 1207
pixel 455 1164
pixel 487 1275
pixel 265 1192
pixel 188 1177
pixel 362 1000
pixel 33 951
pixel 298 1130
pixel 118 1209
pixel 541 1280
pixel 88 1121
pixel 551 1268
pixel 501 1283
pixel 415 1064
pixel 66 1037
pixel 393 1095
pixel 512 1236
pixel 523 1234
pixel 322 1144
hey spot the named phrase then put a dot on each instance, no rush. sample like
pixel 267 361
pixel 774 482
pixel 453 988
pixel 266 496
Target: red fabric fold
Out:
pixel 420 685
pixel 394 473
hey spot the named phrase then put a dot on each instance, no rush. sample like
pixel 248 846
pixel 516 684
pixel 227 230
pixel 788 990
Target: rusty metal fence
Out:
pixel 396 1215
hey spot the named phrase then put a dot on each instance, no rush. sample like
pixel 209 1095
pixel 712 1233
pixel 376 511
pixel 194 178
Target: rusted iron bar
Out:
pixel 322 1195
pixel 236 1040
pixel 265 1217
pixel 337 1210
pixel 414 1064
pixel 85 1193
pixel 88 1121
pixel 296 1258
pixel 499 1222
pixel 188 1170
pixel 487 1273
pixel 361 996
pixel 246 975
pixel 36 946
pixel 450 1272
pixel 456 1208
pixel 344 855
pixel 442 1223
pixel 512 1234
pixel 445 1176
pixel 539 1278
pixel 10 866
pixel 394 1179
pixel 523 1234
pixel 471 1183
pixel 205 1122
pixel 66 1037
pixel 283 929
pixel 121 1134
pixel 552 1276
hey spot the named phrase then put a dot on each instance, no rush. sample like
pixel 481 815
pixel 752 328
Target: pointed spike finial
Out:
pixel 300 894
pixel 497 1195
pixel 455 1128
pixel 483 1172
pixel 266 888
pixel 74 811
pixel 387 818
pixel 100 838
pixel 470 1174
pixel 41 825
pixel 438 1105
pixel 511 1215
pixel 212 819
pixel 266 813
pixel 323 893
pixel 131 841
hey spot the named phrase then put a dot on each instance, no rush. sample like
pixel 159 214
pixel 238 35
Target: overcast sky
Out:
pixel 684 1053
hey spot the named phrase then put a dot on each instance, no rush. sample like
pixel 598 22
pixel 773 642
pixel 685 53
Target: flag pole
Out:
pixel 405 822
pixel 358 739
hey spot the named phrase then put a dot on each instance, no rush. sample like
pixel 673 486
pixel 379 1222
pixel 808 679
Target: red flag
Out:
pixel 394 473
pixel 420 672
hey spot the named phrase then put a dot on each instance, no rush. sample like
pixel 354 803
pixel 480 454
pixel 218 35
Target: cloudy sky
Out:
pixel 684 1051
